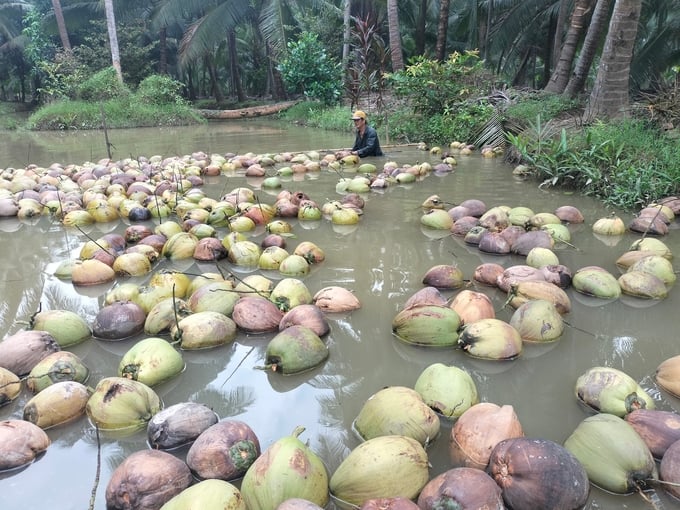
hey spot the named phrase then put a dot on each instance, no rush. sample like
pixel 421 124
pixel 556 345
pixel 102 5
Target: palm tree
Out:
pixel 395 35
pixel 61 25
pixel 589 49
pixel 113 38
pixel 610 95
pixel 442 26
pixel 579 17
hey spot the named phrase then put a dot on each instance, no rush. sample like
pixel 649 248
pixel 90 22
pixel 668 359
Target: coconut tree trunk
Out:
pixel 442 27
pixel 591 43
pixel 113 38
pixel 395 35
pixel 61 25
pixel 346 34
pixel 610 95
pixel 420 27
pixel 163 50
pixel 562 14
pixel 579 17
pixel 233 64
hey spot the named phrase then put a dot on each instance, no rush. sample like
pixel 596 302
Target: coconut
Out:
pixel 608 390
pixel 612 453
pixel 669 469
pixel 437 219
pixel 202 330
pixel 255 285
pixel 642 284
pixel 518 273
pixel 118 321
pixel 122 404
pixel 10 386
pixel 244 253
pixel 491 339
pixel 385 504
pixel 20 352
pixel 336 299
pixel 59 403
pixel 289 293
pixel 215 297
pixel 223 451
pixel 146 479
pixel 397 410
pixel 164 315
pixel 448 390
pixel 68 328
pixel 426 296
pixel 272 257
pixel 91 272
pixel 287 469
pixel 538 473
pixel 295 349
pixel 433 325
pixel 654 245
pixel 382 467
pixel 256 314
pixel 596 281
pixel 532 239
pixel 478 430
pixel 668 375
pixel 658 429
pixel 612 226
pixel 537 320
pixel 658 266
pixel 444 276
pixel 179 424
pixel 539 257
pixel 488 273
pixel 569 214
pixel 151 361
pixel 20 443
pixel 461 487
pixel 525 291
pixel 310 316
pixel 472 306
pixel 207 495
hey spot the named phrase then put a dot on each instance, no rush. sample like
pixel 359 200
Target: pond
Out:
pixel 382 260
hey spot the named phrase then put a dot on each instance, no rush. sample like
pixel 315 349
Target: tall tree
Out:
pixel 442 29
pixel 591 43
pixel 562 14
pixel 395 35
pixel 421 24
pixel 113 38
pixel 579 18
pixel 610 95
pixel 346 33
pixel 61 25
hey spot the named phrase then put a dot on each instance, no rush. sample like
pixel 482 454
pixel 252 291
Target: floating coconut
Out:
pixel 151 361
pixel 21 442
pixel 448 390
pixel 461 487
pixel 208 495
pixel 658 429
pixel 20 352
pixel 608 390
pixel 179 424
pixel 202 330
pixel 491 339
pixel 118 321
pixel 433 325
pixel 59 403
pixel 68 328
pixel 336 299
pixel 256 314
pixel 10 386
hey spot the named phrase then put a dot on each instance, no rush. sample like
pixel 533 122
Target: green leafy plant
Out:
pixel 157 89
pixel 101 86
pixel 308 69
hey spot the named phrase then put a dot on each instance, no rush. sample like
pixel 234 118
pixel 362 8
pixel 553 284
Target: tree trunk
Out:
pixel 395 35
pixel 420 27
pixel 61 24
pixel 589 49
pixel 346 34
pixel 163 50
pixel 233 65
pixel 560 77
pixel 442 27
pixel 610 95
pixel 562 14
pixel 113 38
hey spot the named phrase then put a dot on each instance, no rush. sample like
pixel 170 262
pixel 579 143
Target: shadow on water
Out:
pixel 382 260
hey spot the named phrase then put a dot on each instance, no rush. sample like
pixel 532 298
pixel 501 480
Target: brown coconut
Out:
pixel 478 430
pixel 488 273
pixel 472 306
pixel 461 487
pixel 658 429
pixel 20 352
pixel 146 480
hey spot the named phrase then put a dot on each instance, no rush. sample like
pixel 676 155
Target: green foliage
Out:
pixel 315 114
pixel 102 86
pixel 526 107
pixel 308 69
pixel 434 87
pixel 157 89
pixel 626 164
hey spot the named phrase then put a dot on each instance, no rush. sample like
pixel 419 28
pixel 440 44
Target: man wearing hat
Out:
pixel 366 142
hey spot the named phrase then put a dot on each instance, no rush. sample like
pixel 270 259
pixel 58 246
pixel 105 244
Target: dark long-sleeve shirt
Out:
pixel 367 145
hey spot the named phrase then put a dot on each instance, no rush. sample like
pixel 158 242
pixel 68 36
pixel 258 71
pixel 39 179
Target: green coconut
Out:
pixel 491 339
pixel 151 361
pixel 10 386
pixel 68 328
pixel 382 467
pixel 59 403
pixel 287 469
pixel 294 265
pixel 657 265
pixel 202 330
pixel 539 257
pixel 608 390
pixel 244 253
pixel 537 320
pixel 431 325
pixel 56 367
pixel 438 219
pixel 295 349
pixel 208 495
pixel 597 282
pixel 642 285
pixel 289 293
pixel 447 389
pixel 612 453
pixel 397 410
pixel 215 297
pixel 180 246
pixel 122 404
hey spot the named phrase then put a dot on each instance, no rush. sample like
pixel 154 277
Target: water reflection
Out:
pixel 382 260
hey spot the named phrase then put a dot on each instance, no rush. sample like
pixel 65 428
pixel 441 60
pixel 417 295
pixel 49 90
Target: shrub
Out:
pixel 308 69
pixel 157 89
pixel 102 86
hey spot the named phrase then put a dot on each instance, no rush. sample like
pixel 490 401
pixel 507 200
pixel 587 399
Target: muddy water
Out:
pixel 383 260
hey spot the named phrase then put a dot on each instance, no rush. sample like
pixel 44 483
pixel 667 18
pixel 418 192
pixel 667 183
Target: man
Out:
pixel 366 142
